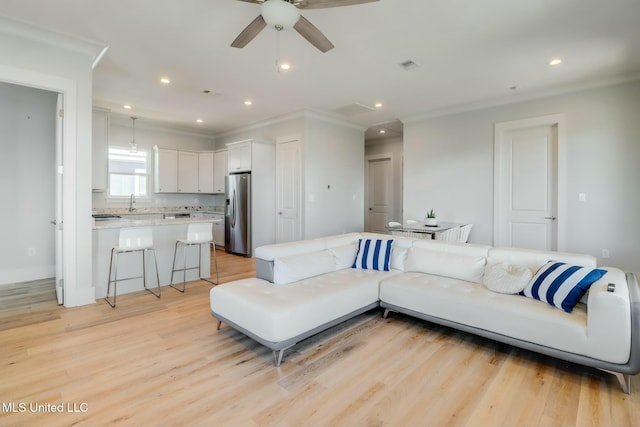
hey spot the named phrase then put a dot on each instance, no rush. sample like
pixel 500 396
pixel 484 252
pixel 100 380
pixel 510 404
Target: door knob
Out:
pixel 552 218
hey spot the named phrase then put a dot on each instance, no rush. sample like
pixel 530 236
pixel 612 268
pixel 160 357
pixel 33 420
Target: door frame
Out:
pixel 368 159
pixel 68 88
pixel 500 129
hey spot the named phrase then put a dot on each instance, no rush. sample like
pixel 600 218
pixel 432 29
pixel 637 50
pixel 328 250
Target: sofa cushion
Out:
pixel 455 265
pixel 271 252
pixel 561 284
pixel 292 268
pixel 506 278
pixel 374 254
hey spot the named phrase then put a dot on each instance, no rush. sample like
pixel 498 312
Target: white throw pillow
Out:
pixel 506 278
pixel 344 255
pixel 289 269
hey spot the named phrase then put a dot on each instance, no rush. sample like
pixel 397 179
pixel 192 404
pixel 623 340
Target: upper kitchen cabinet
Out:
pixel 187 172
pixel 100 149
pixel 165 171
pixel 220 171
pixel 239 157
pixel 205 172
pixel 183 171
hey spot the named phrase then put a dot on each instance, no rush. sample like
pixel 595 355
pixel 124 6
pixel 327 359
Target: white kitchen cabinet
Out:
pixel 100 149
pixel 218 230
pixel 187 172
pixel 239 157
pixel 165 171
pixel 220 171
pixel 205 172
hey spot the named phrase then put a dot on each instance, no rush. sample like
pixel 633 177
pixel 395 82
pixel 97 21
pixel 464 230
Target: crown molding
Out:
pixel 22 29
pixel 548 93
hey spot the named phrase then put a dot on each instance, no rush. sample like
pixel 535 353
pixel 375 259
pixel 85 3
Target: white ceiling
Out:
pixel 469 52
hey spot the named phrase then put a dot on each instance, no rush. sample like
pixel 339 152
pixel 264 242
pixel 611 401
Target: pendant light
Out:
pixel 133 147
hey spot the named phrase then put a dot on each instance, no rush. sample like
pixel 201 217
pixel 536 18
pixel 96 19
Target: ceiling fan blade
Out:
pixel 313 35
pixel 321 4
pixel 250 32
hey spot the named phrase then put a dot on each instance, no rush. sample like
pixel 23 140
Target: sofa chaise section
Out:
pixel 311 287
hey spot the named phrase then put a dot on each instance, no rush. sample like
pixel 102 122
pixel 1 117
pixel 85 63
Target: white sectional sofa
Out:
pixel 305 287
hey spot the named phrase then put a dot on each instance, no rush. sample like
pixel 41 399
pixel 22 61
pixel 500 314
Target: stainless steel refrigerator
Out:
pixel 237 237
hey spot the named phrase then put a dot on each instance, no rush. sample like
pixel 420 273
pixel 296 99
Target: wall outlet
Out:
pixel 605 253
pixel 582 197
pixel 31 252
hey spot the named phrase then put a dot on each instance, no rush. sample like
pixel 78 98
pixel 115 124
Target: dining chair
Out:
pixel 464 233
pixel 452 234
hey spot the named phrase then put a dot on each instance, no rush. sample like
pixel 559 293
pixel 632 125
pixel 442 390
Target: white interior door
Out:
pixel 57 221
pixel 379 171
pixel 527 186
pixel 288 184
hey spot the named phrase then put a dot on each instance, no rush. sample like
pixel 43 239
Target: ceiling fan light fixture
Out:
pixel 280 14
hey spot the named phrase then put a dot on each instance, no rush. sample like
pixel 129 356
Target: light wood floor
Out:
pixel 161 362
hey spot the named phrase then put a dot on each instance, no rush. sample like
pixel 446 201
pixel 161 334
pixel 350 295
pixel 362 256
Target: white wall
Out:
pixel 332 154
pixel 449 167
pixel 392 146
pixel 148 135
pixel 39 58
pixel 27 169
pixel 334 178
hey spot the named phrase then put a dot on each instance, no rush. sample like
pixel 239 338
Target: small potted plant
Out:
pixel 430 220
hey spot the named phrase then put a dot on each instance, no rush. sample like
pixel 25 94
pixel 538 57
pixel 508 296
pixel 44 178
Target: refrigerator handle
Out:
pixel 233 209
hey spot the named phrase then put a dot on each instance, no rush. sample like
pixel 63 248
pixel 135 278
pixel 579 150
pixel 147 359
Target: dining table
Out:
pixel 420 230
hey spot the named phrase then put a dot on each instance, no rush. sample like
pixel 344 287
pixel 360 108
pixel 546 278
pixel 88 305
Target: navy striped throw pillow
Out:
pixel 373 254
pixel 562 285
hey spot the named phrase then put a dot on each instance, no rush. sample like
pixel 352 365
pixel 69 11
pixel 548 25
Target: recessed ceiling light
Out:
pixel 127 107
pixel 555 61
pixel 285 66
pixel 248 102
pixel 382 131
pixel 378 105
pixel 199 120
pixel 165 80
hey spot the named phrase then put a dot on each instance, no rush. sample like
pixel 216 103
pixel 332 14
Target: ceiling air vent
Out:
pixel 409 65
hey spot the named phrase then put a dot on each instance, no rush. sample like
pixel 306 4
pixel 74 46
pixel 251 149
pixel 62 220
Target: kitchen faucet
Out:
pixel 132 200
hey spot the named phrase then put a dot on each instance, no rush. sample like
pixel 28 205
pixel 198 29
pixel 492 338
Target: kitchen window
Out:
pixel 127 172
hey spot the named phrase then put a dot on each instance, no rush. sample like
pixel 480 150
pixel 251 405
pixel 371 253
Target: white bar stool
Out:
pixel 198 234
pixel 131 240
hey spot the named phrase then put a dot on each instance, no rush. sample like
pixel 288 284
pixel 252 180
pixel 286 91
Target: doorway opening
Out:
pixel 383 181
pixel 29 188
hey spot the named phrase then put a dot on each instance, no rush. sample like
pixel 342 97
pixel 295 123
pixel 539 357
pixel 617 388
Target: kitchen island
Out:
pixel 166 230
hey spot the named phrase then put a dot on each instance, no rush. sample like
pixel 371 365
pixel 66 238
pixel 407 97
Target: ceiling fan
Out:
pixel 284 14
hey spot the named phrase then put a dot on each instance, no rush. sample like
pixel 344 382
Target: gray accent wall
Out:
pixel 449 167
pixel 27 183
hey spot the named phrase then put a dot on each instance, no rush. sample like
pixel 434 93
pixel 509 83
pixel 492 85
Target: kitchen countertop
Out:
pixel 127 222
pixel 148 218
